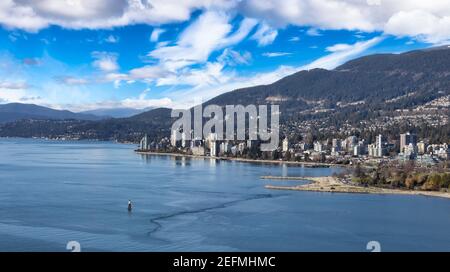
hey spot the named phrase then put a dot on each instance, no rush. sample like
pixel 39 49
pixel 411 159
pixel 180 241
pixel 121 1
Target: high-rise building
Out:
pixel 212 137
pixel 183 140
pixel 372 150
pixel 350 142
pixel 335 146
pixel 174 138
pixel 144 144
pixel 225 147
pixel 406 139
pixel 213 149
pixel 285 145
pixel 380 147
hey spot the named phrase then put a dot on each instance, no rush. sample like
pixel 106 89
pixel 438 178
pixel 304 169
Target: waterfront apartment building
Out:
pixel 213 149
pixel 173 138
pixel 225 148
pixel 406 139
pixel 144 144
pixel 285 144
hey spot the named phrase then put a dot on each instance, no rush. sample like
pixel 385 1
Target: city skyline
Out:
pixel 348 150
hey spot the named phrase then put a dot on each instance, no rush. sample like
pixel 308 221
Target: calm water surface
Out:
pixel 54 192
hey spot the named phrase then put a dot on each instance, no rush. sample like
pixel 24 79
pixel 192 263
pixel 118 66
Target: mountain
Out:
pixel 423 74
pixel 16 111
pixel 383 93
pixel 115 112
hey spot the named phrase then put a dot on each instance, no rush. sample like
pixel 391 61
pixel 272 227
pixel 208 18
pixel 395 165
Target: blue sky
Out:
pixel 82 55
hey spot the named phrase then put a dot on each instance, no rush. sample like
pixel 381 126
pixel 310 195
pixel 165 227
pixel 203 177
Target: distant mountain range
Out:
pixel 379 93
pixel 16 111
pixel 115 112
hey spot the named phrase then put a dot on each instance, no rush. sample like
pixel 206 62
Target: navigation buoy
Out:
pixel 129 206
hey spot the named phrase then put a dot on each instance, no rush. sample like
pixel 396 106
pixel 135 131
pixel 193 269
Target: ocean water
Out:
pixel 54 192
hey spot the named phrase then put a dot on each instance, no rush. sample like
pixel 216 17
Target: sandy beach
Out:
pixel 334 185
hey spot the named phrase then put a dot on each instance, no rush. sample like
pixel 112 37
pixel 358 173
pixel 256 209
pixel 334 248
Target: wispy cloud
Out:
pixel 276 54
pixel 265 35
pixel 313 32
pixel 232 57
pixel 105 61
pixel 31 61
pixel 189 97
pixel 339 47
pixel 70 80
pixel 112 39
pixel 13 85
pixel 342 53
pixel 154 37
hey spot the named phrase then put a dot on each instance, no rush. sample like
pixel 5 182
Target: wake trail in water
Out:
pixel 158 225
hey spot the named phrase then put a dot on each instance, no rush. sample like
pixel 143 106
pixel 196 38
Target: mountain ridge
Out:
pixel 16 111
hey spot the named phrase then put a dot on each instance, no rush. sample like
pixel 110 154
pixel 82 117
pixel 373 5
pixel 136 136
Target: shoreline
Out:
pixel 295 163
pixel 334 185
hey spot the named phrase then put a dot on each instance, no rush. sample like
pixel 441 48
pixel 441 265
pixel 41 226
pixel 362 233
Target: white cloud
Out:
pixel 17 96
pixel 105 61
pixel 13 85
pixel 342 53
pixel 162 44
pixel 294 39
pixel 245 27
pixel 423 25
pixel 112 39
pixel 209 75
pixel 148 72
pixel 212 31
pixel 276 54
pixel 188 97
pixel 196 42
pixel 17 92
pixel 339 47
pixel 154 37
pixel 392 17
pixel 265 35
pixel 232 57
pixel 69 80
pixel 425 20
pixel 313 32
pixel 35 15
